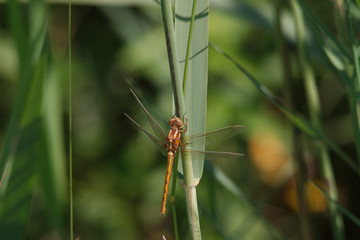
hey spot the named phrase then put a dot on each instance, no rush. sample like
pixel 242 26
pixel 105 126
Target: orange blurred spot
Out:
pixel 269 156
pixel 316 200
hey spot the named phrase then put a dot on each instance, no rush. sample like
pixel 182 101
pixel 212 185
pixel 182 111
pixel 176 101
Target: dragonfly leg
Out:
pixel 181 145
pixel 183 130
pixel 184 117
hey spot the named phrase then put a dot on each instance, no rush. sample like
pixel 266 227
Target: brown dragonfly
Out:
pixel 173 142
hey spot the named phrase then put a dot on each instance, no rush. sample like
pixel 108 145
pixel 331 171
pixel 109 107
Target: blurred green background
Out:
pixel 118 174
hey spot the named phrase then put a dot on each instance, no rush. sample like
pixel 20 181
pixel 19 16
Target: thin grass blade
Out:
pixel 324 31
pixel 303 124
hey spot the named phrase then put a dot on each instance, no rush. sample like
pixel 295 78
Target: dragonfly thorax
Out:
pixel 176 122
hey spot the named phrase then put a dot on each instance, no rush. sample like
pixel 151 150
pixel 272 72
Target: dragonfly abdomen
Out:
pixel 172 143
pixel 170 162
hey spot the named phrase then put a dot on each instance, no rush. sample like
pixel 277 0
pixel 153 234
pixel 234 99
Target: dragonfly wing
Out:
pixel 157 142
pixel 209 155
pixel 214 136
pixel 154 125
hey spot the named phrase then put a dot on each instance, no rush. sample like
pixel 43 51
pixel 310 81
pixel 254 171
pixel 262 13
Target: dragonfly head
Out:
pixel 176 122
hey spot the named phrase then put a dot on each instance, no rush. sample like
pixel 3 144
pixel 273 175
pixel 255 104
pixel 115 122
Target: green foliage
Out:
pixel 32 151
pixel 258 80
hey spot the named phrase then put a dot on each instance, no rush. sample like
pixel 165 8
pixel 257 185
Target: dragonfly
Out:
pixel 174 142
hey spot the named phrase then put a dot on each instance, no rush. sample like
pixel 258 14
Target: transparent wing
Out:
pixel 209 155
pixel 154 125
pixel 212 137
pixel 158 143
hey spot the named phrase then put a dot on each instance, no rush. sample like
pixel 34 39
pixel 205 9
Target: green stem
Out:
pixel 70 135
pixel 180 109
pixel 192 211
pixel 177 89
pixel 173 57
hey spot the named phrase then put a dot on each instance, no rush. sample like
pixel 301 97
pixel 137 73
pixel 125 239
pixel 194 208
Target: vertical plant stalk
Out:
pixel 175 45
pixel 314 109
pixel 177 90
pixel 173 57
pixel 70 135
pixel 192 210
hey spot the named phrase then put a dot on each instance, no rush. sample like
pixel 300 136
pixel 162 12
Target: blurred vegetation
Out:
pixel 118 174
